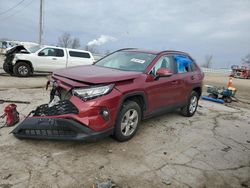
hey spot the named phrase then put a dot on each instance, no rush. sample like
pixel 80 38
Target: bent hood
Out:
pixel 95 74
pixel 16 49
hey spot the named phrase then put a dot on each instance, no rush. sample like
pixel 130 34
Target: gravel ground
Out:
pixel 210 149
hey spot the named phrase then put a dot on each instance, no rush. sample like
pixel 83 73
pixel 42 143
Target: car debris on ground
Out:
pixel 221 94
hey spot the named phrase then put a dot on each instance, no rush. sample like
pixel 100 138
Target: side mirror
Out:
pixel 41 54
pixel 163 72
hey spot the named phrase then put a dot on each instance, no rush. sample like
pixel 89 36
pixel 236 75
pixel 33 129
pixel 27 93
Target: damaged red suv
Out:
pixel 112 96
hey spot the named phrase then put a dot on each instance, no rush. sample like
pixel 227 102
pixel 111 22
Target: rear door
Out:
pixel 50 59
pixel 166 91
pixel 189 73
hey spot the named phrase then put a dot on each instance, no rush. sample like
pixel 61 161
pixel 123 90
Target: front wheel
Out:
pixel 127 121
pixel 7 68
pixel 190 109
pixel 22 69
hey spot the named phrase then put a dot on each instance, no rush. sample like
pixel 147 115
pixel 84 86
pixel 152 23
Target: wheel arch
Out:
pixel 198 90
pixel 138 97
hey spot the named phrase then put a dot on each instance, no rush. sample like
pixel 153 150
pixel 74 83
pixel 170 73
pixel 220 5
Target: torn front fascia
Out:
pixel 58 91
pixel 54 91
pixel 61 108
pixel 57 129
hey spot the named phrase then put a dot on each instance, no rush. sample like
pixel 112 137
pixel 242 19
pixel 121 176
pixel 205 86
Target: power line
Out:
pixel 20 10
pixel 9 9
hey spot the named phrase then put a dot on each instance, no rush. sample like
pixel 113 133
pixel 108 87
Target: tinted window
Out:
pixel 53 52
pixel 59 53
pixel 184 64
pixel 128 61
pixel 79 54
pixel 163 62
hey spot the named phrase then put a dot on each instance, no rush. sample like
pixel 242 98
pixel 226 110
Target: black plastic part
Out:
pixel 57 129
pixel 61 108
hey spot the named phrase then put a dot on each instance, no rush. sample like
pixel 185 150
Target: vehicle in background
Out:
pixel 5 45
pixel 23 62
pixel 240 72
pixel 112 96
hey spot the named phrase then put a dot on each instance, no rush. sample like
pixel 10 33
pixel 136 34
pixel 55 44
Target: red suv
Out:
pixel 112 96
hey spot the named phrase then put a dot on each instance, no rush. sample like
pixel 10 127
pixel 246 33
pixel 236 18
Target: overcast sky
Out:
pixel 200 27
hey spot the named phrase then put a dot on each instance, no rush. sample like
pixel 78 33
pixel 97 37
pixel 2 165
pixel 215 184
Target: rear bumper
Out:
pixel 57 129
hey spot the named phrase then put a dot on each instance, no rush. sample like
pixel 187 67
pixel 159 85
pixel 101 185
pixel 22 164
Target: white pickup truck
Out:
pixel 23 62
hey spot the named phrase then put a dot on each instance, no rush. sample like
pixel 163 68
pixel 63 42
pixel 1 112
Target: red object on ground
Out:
pixel 11 114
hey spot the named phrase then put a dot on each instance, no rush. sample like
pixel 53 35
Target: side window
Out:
pixel 163 62
pixel 59 53
pixel 47 52
pixel 184 64
pixel 79 54
pixel 52 52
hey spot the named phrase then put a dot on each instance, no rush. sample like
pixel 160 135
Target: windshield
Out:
pixel 127 61
pixel 33 49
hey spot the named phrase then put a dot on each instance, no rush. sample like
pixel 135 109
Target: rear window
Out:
pixel 79 54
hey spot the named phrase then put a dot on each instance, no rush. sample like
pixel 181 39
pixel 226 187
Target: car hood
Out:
pixel 16 49
pixel 95 74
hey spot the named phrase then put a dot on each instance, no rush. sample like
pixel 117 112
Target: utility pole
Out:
pixel 41 23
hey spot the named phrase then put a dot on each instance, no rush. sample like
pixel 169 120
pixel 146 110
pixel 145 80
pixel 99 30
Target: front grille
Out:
pixel 48 132
pixel 62 107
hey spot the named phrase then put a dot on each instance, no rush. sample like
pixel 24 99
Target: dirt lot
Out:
pixel 211 149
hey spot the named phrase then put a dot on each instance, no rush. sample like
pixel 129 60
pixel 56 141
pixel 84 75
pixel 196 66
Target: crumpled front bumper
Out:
pixel 57 129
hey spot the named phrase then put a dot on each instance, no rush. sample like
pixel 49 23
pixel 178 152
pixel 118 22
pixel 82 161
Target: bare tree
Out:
pixel 246 60
pixel 76 43
pixel 208 61
pixel 65 40
pixel 92 49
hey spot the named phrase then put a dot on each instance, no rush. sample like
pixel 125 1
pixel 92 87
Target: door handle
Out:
pixel 174 82
pixel 192 77
pixel 54 58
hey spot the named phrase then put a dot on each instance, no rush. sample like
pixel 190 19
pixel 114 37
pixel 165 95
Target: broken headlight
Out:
pixel 92 92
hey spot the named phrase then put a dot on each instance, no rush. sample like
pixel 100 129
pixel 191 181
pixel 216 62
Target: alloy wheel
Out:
pixel 193 104
pixel 23 70
pixel 129 122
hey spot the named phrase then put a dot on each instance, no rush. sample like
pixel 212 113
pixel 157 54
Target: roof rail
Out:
pixel 125 49
pixel 173 51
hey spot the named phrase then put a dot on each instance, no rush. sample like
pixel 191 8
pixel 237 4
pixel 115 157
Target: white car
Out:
pixel 23 62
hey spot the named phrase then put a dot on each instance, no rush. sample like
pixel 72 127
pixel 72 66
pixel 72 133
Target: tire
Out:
pixel 7 68
pixel 192 104
pixel 227 99
pixel 128 121
pixel 22 69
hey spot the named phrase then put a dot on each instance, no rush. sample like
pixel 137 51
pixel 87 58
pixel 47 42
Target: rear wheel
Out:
pixel 128 121
pixel 22 69
pixel 190 109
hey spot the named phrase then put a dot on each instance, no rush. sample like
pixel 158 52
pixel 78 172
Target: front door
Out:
pixel 166 91
pixel 50 59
